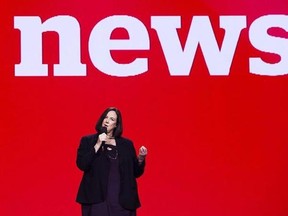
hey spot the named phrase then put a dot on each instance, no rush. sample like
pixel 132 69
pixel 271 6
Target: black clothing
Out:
pixel 94 186
pixel 111 206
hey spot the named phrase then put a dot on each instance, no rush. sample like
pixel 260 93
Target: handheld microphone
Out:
pixel 103 130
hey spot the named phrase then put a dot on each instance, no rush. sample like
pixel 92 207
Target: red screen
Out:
pixel 217 143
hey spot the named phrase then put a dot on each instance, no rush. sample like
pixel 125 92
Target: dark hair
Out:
pixel 117 132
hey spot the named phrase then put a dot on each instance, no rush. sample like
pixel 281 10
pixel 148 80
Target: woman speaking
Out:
pixel 110 167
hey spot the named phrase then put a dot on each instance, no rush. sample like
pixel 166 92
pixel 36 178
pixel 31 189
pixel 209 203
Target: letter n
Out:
pixel 31 29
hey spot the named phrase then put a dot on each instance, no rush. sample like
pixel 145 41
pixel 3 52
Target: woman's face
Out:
pixel 110 121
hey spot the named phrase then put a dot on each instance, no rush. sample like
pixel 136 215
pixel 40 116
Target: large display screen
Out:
pixel 202 84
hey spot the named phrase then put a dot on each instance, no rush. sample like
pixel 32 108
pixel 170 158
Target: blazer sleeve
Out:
pixel 85 153
pixel 138 167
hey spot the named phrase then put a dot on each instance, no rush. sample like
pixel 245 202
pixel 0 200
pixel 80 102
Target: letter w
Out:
pixel 180 61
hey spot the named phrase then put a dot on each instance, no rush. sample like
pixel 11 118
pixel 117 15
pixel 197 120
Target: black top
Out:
pixel 93 186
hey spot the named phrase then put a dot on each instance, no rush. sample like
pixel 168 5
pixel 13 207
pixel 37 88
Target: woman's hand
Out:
pixel 142 154
pixel 101 138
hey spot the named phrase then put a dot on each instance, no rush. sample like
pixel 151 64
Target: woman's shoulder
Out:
pixel 89 137
pixel 125 144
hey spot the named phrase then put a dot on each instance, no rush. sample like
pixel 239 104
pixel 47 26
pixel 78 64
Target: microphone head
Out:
pixel 103 130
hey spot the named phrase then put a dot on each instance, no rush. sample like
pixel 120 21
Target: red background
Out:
pixel 217 144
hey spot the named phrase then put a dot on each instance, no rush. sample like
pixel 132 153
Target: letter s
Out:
pixel 262 41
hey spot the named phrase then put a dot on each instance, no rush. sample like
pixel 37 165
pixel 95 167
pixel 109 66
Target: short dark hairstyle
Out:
pixel 117 132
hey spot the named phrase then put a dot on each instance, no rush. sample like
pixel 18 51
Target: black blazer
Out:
pixel 93 185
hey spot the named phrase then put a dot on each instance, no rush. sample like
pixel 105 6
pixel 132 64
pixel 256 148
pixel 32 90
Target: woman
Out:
pixel 110 165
